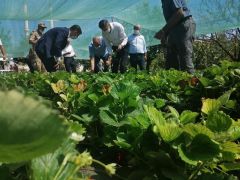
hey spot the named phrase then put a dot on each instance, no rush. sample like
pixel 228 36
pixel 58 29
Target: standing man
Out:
pixel 179 33
pixel 34 62
pixel 137 48
pixel 116 40
pixel 4 55
pixel 97 52
pixel 50 45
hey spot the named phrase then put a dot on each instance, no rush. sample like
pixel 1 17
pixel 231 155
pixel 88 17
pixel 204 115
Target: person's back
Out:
pixel 53 41
pixel 50 45
pixel 99 55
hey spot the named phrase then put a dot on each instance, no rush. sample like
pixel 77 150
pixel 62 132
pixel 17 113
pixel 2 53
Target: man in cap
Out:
pixel 116 39
pixel 97 52
pixel 178 33
pixel 50 45
pixel 34 61
pixel 137 48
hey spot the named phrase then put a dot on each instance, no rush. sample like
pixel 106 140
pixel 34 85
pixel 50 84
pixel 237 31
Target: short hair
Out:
pixel 103 23
pixel 137 26
pixel 76 28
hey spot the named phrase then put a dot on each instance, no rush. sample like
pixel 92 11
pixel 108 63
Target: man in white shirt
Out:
pixel 4 56
pixel 137 48
pixel 116 41
pixel 69 61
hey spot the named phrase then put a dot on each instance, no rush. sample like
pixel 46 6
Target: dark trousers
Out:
pixel 180 46
pixel 49 63
pixel 120 60
pixel 137 60
pixel 70 64
pixel 101 67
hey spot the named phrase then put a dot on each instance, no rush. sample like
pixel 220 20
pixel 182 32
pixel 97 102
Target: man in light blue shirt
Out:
pixel 97 52
pixel 178 35
pixel 137 48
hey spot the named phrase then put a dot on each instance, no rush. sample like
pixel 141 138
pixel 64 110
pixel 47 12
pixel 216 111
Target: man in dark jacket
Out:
pixel 49 47
pixel 178 34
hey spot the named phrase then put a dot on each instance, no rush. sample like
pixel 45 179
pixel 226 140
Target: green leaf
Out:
pixel 210 105
pixel 170 131
pixel 225 97
pixel 123 90
pixel 218 121
pixel 184 157
pixel 160 103
pixel 231 104
pixel 86 118
pixel 121 141
pixel 173 97
pixel 202 148
pixel 205 81
pixel 234 131
pixel 188 117
pixel 228 156
pixel 48 166
pixel 196 129
pixel 230 166
pixel 74 79
pixel 28 128
pixel 93 97
pixel 109 118
pixel 154 115
pixel 231 147
pixel 173 112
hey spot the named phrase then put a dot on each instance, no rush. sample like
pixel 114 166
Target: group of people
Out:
pixel 48 48
pixel 112 49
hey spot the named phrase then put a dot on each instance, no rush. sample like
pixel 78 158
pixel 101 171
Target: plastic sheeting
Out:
pixel 210 16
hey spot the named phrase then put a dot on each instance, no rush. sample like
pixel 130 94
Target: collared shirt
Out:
pixel 68 51
pixel 1 42
pixel 137 44
pixel 116 37
pixel 170 6
pixel 100 51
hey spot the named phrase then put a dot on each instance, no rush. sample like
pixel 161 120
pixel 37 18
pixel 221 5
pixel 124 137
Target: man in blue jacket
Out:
pixel 49 47
pixel 178 34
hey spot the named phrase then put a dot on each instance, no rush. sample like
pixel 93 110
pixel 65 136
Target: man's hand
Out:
pixel 58 61
pixel 109 61
pixel 145 57
pixel 57 66
pixel 4 57
pixel 119 47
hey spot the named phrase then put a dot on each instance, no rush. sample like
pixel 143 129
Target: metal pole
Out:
pixel 26 24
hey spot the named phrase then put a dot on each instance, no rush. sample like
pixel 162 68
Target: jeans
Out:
pixel 49 63
pixel 137 60
pixel 120 60
pixel 99 67
pixel 70 64
pixel 180 46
